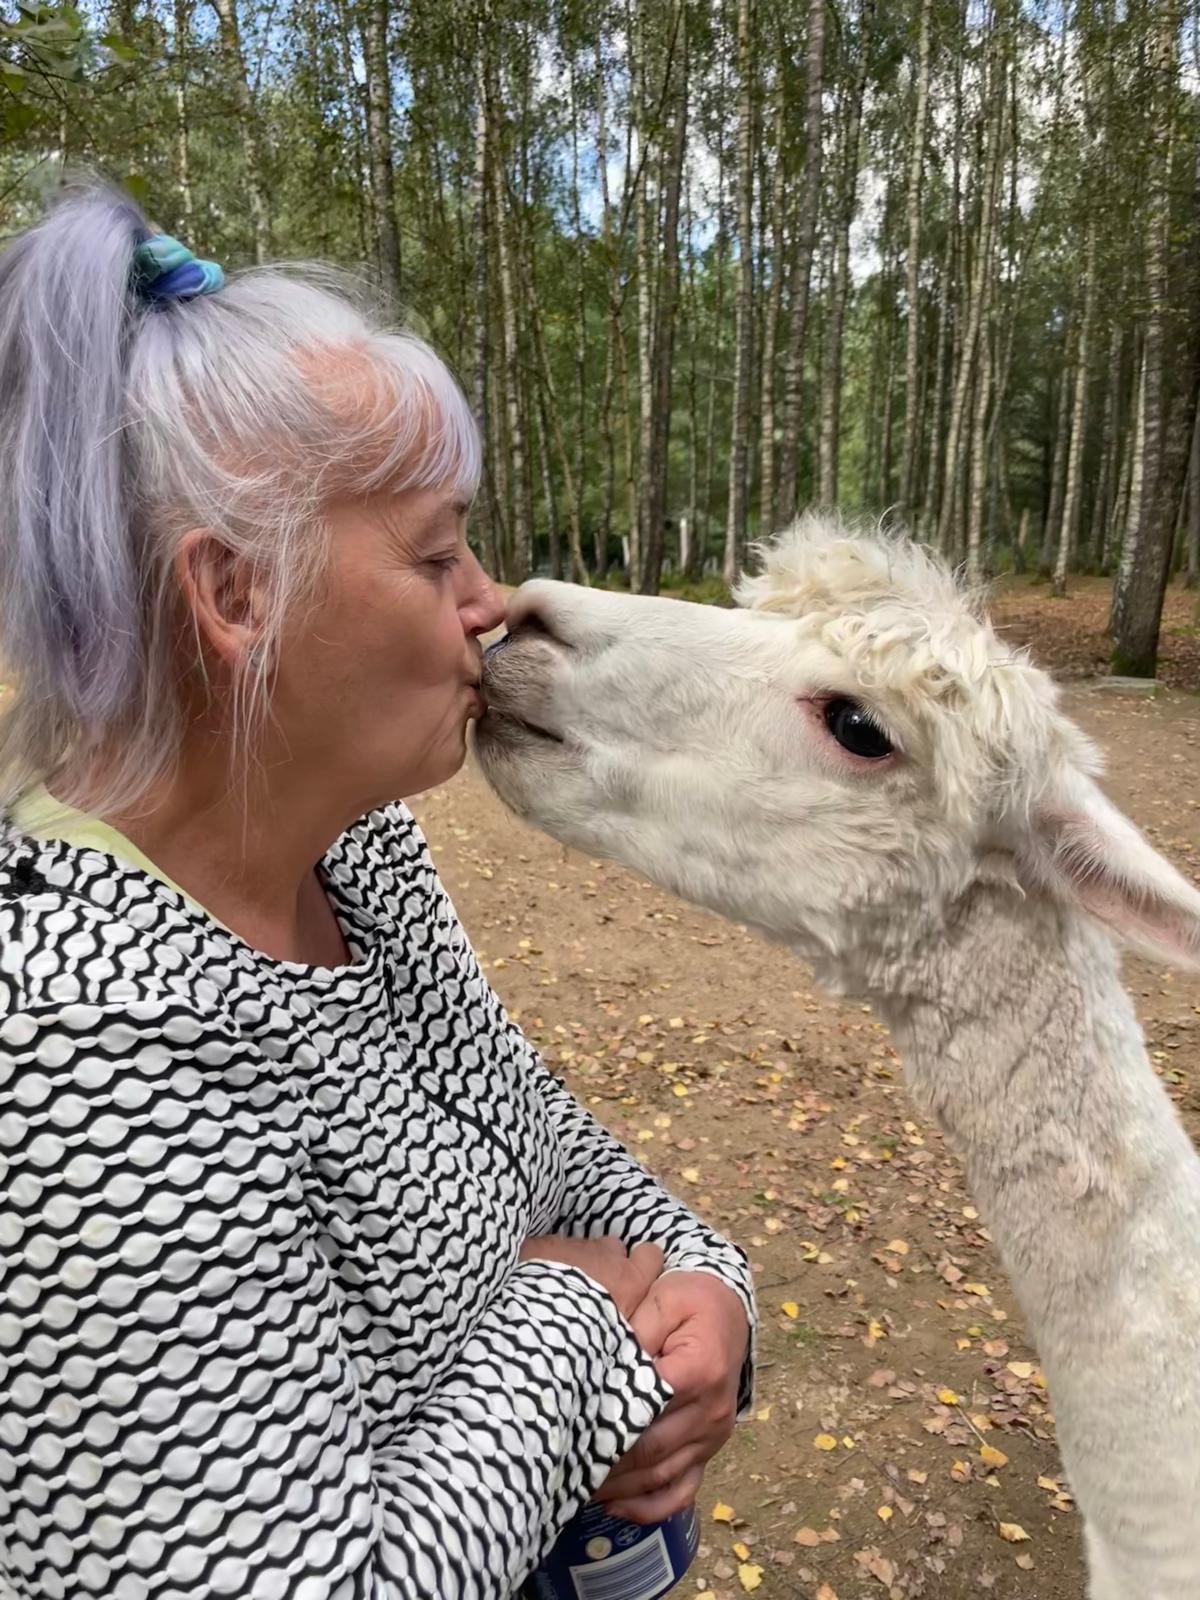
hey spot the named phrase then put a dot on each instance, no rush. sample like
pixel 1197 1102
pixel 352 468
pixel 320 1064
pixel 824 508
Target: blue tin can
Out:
pixel 599 1557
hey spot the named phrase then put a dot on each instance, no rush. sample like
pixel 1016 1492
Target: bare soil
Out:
pixel 892 1358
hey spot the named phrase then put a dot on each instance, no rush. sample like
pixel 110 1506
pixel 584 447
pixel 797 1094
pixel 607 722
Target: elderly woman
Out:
pixel 314 1282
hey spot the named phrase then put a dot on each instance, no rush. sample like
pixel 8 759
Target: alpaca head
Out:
pixel 832 762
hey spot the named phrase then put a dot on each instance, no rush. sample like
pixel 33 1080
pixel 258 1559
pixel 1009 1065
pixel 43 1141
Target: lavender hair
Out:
pixel 124 425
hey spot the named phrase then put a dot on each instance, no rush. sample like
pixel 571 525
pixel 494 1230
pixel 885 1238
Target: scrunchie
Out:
pixel 164 269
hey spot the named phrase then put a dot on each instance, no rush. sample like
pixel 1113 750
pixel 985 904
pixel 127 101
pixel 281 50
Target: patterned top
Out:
pixel 263 1332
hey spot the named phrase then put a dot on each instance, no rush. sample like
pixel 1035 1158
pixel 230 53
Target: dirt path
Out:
pixel 892 1359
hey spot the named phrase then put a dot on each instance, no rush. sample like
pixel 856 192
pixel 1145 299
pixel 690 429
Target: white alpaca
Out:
pixel 856 765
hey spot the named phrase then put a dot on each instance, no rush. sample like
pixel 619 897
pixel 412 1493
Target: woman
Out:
pixel 314 1282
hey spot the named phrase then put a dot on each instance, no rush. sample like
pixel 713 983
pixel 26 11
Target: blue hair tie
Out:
pixel 164 269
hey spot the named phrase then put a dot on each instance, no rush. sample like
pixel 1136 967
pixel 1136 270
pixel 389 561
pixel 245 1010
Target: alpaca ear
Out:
pixel 1083 849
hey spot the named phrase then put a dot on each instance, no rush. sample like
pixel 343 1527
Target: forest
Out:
pixel 700 264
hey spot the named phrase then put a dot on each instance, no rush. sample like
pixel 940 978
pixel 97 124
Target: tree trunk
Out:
pixel 916 169
pixel 581 409
pixel 646 203
pixel 735 526
pixel 992 142
pixel 247 119
pixel 808 205
pixel 1058 471
pixel 1191 574
pixel 1169 416
pixel 1141 580
pixel 553 543
pixel 931 504
pixel 715 363
pixel 1130 509
pixel 1110 451
pixel 379 140
pixel 522 512
pixel 667 303
pixel 183 28
pixel 831 349
pixel 479 386
pixel 1070 514
pixel 770 337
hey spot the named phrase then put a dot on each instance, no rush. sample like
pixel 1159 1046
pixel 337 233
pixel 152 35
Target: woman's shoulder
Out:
pixel 75 930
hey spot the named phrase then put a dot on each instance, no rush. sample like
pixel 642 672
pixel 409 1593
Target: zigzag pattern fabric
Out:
pixel 263 1332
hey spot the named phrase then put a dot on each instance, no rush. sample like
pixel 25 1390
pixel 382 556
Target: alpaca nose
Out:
pixel 542 606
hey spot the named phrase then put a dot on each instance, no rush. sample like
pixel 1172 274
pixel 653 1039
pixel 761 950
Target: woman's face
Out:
pixel 377 679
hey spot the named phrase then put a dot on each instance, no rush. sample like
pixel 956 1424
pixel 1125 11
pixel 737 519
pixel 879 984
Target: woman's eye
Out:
pixel 854 728
pixel 441 564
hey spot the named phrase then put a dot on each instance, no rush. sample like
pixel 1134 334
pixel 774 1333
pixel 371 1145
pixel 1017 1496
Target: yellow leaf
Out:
pixel 824 1441
pixel 838 1164
pixel 963 1344
pixel 790 1308
pixel 824 1592
pixel 970 1213
pixel 722 1512
pixel 961 1472
pixel 749 1576
pixel 763 1414
pixel 690 1174
pixel 1013 1533
pixel 876 1331
pixel 976 1288
pixel 916 1477
pixel 675 1022
pixel 1021 1369
pixel 741 1551
pixel 947 1397
pixel 1048 1483
pixel 644 1135
pixel 847 1442
pixel 885 1513
pixel 898 1247
pixel 679 1089
pixel 993 1457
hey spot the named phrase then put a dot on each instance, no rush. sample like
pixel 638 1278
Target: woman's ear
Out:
pixel 223 596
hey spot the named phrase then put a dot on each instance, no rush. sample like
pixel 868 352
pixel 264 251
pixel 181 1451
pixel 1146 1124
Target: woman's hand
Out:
pixel 696 1328
pixel 627 1275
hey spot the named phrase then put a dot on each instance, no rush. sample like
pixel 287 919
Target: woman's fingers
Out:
pixel 658 1507
pixel 632 1482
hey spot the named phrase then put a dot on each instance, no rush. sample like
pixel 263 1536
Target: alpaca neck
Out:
pixel 1016 1033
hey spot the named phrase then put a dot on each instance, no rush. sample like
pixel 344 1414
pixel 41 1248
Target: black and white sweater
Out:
pixel 263 1332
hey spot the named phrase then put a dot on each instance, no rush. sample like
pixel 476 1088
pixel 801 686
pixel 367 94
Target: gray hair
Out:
pixel 125 424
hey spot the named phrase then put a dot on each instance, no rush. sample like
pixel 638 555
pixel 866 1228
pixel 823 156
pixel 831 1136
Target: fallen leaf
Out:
pixel 917 1477
pixel 1048 1483
pixel 898 1247
pixel 680 1089
pixel 722 1512
pixel 1025 1561
pixel 885 1513
pixel 762 1414
pixel 690 1174
pixel 790 1308
pixel 980 1289
pixel 808 1537
pixel 961 1472
pixel 1013 1533
pixel 741 1551
pixel 749 1576
pixel 1021 1369
pixel 947 1397
pixel 824 1441
pixel 993 1457
pixel 824 1592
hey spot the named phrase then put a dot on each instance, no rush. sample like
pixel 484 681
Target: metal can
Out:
pixel 601 1557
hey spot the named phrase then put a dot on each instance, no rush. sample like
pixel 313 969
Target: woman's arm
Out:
pixel 609 1192
pixel 178 1409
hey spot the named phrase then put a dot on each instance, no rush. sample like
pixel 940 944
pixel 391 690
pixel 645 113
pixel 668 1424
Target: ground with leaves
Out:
pixel 902 1441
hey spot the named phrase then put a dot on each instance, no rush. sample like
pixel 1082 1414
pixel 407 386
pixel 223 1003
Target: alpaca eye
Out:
pixel 856 730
